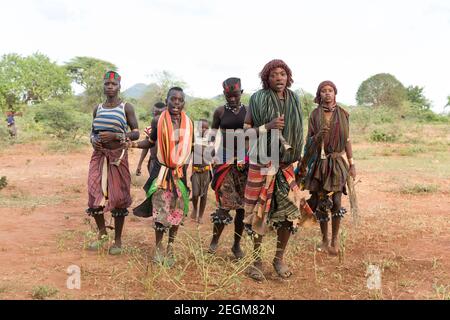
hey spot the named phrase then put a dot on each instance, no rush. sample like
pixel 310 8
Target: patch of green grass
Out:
pixel 442 292
pixel 435 263
pixel 411 151
pixel 433 165
pixel 418 189
pixel 3 182
pixel 3 289
pixel 62 239
pixel 197 274
pixel 389 264
pixel 65 146
pixel 407 283
pixel 379 135
pixel 28 201
pixel 43 292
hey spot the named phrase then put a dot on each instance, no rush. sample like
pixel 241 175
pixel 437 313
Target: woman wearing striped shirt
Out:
pixel 109 175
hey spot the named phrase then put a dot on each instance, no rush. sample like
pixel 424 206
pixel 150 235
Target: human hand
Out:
pixel 352 171
pixel 107 136
pixel 96 143
pixel 323 131
pixel 277 123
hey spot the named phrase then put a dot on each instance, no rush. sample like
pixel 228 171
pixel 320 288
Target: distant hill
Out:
pixel 136 91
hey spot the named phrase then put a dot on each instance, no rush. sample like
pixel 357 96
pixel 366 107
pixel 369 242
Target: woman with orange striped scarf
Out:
pixel 166 189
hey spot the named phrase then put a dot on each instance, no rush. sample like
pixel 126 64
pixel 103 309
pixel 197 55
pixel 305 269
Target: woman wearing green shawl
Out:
pixel 274 109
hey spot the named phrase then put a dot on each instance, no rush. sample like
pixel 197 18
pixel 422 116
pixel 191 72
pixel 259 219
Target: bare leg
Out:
pixel 325 242
pixel 116 248
pixel 334 249
pixel 194 204
pixel 217 232
pixel 118 227
pixel 172 234
pixel 283 235
pixel 100 221
pixel 170 260
pixel 238 230
pixel 202 208
pixel 255 271
pixel 159 250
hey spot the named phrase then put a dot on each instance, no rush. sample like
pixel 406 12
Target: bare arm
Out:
pixel 141 160
pixel 95 140
pixel 148 142
pixel 132 122
pixel 218 113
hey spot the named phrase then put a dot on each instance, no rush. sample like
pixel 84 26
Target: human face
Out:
pixel 111 87
pixel 278 80
pixel 327 94
pixel 157 111
pixel 233 98
pixel 205 127
pixel 175 102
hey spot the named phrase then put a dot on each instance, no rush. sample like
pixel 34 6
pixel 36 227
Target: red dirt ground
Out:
pixel 43 223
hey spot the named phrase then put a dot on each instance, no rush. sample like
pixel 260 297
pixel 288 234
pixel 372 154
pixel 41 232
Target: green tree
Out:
pixel 381 90
pixel 157 91
pixel 33 79
pixel 448 102
pixel 11 81
pixel 201 109
pixel 307 102
pixel 417 98
pixel 88 72
pixel 63 119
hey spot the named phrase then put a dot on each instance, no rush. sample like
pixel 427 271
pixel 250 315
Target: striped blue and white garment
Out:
pixel 114 119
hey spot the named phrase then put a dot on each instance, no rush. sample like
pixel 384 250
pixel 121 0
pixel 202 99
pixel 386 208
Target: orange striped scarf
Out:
pixel 173 153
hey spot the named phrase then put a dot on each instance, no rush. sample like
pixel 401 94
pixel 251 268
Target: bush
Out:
pixel 378 135
pixel 42 292
pixel 3 182
pixel 200 109
pixel 418 189
pixel 63 120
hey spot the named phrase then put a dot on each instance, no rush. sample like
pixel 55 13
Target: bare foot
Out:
pixel 158 257
pixel 213 247
pixel 281 268
pixel 323 247
pixel 334 248
pixel 237 251
pixel 116 248
pixel 255 271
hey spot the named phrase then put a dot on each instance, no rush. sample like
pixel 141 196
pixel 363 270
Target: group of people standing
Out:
pixel 259 192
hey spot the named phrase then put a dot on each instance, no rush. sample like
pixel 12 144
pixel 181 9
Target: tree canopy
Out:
pixel 381 90
pixel 88 72
pixel 32 79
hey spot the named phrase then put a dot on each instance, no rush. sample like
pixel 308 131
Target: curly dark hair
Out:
pixel 276 63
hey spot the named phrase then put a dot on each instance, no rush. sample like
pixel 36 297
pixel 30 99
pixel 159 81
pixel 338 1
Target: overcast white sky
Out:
pixel 204 42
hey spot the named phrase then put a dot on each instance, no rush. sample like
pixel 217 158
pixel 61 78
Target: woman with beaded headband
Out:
pixel 230 174
pixel 327 141
pixel 109 175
